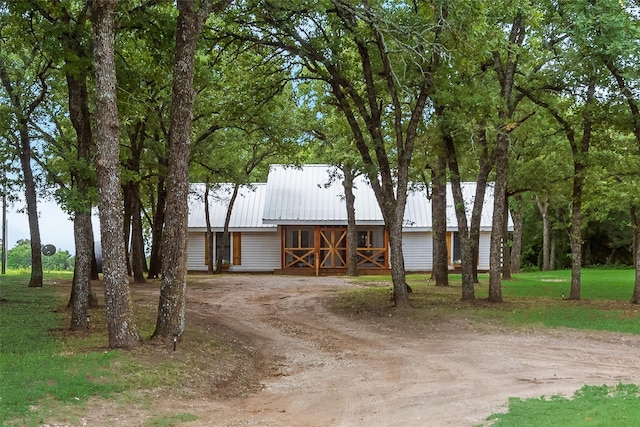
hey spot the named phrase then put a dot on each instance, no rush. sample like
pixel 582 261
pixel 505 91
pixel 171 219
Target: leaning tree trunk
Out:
pixel 352 230
pixel 484 168
pixel 225 230
pixel 170 323
pixel 121 327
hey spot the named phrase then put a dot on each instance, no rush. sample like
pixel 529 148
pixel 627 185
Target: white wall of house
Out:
pixel 417 248
pixel 260 252
pixel 196 251
pixel 483 250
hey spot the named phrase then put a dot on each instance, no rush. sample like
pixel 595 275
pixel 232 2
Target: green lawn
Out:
pixel 34 365
pixel 592 406
pixel 529 299
pixel 533 300
pixel 41 365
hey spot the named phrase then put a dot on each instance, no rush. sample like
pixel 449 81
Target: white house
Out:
pixel 296 223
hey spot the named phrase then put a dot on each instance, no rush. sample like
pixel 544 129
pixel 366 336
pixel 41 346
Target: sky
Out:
pixel 55 226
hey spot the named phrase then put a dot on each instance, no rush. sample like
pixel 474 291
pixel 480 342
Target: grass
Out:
pixel 34 363
pixel 48 372
pixel 44 368
pixel 531 300
pixel 593 406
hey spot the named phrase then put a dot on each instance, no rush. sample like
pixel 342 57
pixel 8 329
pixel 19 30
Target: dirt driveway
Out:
pixel 322 369
pixel 297 363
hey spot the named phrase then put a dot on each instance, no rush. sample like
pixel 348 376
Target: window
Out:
pixel 456 246
pixel 299 250
pixel 364 238
pixel 224 250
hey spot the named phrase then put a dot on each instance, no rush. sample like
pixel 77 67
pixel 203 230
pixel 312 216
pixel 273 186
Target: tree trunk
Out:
pixel 516 248
pixel 506 248
pixel 552 252
pixel 506 71
pixel 225 230
pixel 208 235
pixel 32 208
pixel 575 235
pixel 400 287
pixel 484 168
pixel 121 327
pixel 23 147
pixel 352 230
pixel 171 308
pixel 138 260
pixel 635 218
pixel 468 293
pixel 82 271
pixel 543 207
pixel 497 230
pixel 126 226
pixel 155 258
pixel 82 227
pixel 439 222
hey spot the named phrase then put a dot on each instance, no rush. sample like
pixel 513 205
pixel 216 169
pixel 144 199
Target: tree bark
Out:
pixel 121 327
pixel 225 230
pixel 157 226
pixel 82 226
pixel 32 208
pixel 516 248
pixel 352 230
pixel 138 260
pixel 635 219
pixel 552 252
pixel 543 207
pixel 506 75
pixel 506 248
pixel 208 235
pixel 171 308
pixel 439 222
pixel 484 168
pixel 23 114
pixel 468 293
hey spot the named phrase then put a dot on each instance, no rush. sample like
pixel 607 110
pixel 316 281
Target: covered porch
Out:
pixel 322 250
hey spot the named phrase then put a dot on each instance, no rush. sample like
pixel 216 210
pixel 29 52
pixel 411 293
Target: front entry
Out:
pixel 333 247
pixel 308 249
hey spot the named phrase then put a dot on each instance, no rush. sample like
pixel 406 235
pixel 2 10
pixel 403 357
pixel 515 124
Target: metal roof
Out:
pixel 313 194
pixel 247 209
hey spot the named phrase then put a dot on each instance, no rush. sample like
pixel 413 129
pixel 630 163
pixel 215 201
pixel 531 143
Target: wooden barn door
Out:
pixel 333 247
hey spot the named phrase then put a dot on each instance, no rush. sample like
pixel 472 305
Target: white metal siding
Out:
pixel 260 252
pixel 417 249
pixel 196 252
pixel 483 251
